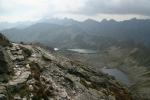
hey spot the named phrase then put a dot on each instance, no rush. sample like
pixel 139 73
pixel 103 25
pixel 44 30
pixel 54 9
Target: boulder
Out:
pixel 3 89
pixel 16 84
pixel 3 97
pixel 4 41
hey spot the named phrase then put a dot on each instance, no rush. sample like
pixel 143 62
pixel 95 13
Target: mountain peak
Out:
pixel 112 20
pixel 108 21
pixel 104 21
pixel 90 20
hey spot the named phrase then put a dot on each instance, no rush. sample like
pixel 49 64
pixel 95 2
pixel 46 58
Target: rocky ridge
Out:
pixel 33 73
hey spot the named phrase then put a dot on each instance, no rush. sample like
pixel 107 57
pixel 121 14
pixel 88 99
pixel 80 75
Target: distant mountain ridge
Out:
pixel 9 25
pixel 71 33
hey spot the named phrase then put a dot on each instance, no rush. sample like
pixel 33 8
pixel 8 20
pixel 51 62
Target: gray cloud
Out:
pixel 20 10
pixel 139 7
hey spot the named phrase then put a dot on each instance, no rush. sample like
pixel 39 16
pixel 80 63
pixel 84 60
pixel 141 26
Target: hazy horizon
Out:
pixel 66 18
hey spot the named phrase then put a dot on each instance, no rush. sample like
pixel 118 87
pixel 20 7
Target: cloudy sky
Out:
pixel 32 10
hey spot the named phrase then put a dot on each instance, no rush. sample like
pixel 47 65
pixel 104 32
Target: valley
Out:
pixel 116 58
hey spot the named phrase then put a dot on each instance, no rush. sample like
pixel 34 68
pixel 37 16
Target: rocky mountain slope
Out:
pixel 30 72
pixel 133 61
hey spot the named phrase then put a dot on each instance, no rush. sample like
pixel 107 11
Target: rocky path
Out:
pixel 39 75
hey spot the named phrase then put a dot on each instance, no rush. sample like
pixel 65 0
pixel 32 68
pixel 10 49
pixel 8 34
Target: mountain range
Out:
pixel 69 33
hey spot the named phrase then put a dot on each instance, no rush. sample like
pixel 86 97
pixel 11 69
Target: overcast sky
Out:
pixel 31 10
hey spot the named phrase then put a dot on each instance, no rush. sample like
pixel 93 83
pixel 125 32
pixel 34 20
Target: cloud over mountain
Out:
pixel 18 10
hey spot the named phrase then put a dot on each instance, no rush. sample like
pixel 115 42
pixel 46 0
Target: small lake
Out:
pixel 119 75
pixel 84 51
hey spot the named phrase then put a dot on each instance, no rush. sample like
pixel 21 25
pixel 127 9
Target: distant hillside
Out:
pixel 90 33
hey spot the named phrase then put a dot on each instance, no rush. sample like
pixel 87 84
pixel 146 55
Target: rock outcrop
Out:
pixel 5 61
pixel 3 55
pixel 38 75
pixel 3 40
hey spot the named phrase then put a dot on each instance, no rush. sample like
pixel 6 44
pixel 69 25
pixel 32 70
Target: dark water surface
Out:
pixel 119 75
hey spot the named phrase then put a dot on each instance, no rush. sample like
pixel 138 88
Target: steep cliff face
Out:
pixel 5 61
pixel 4 41
pixel 5 67
pixel 37 74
